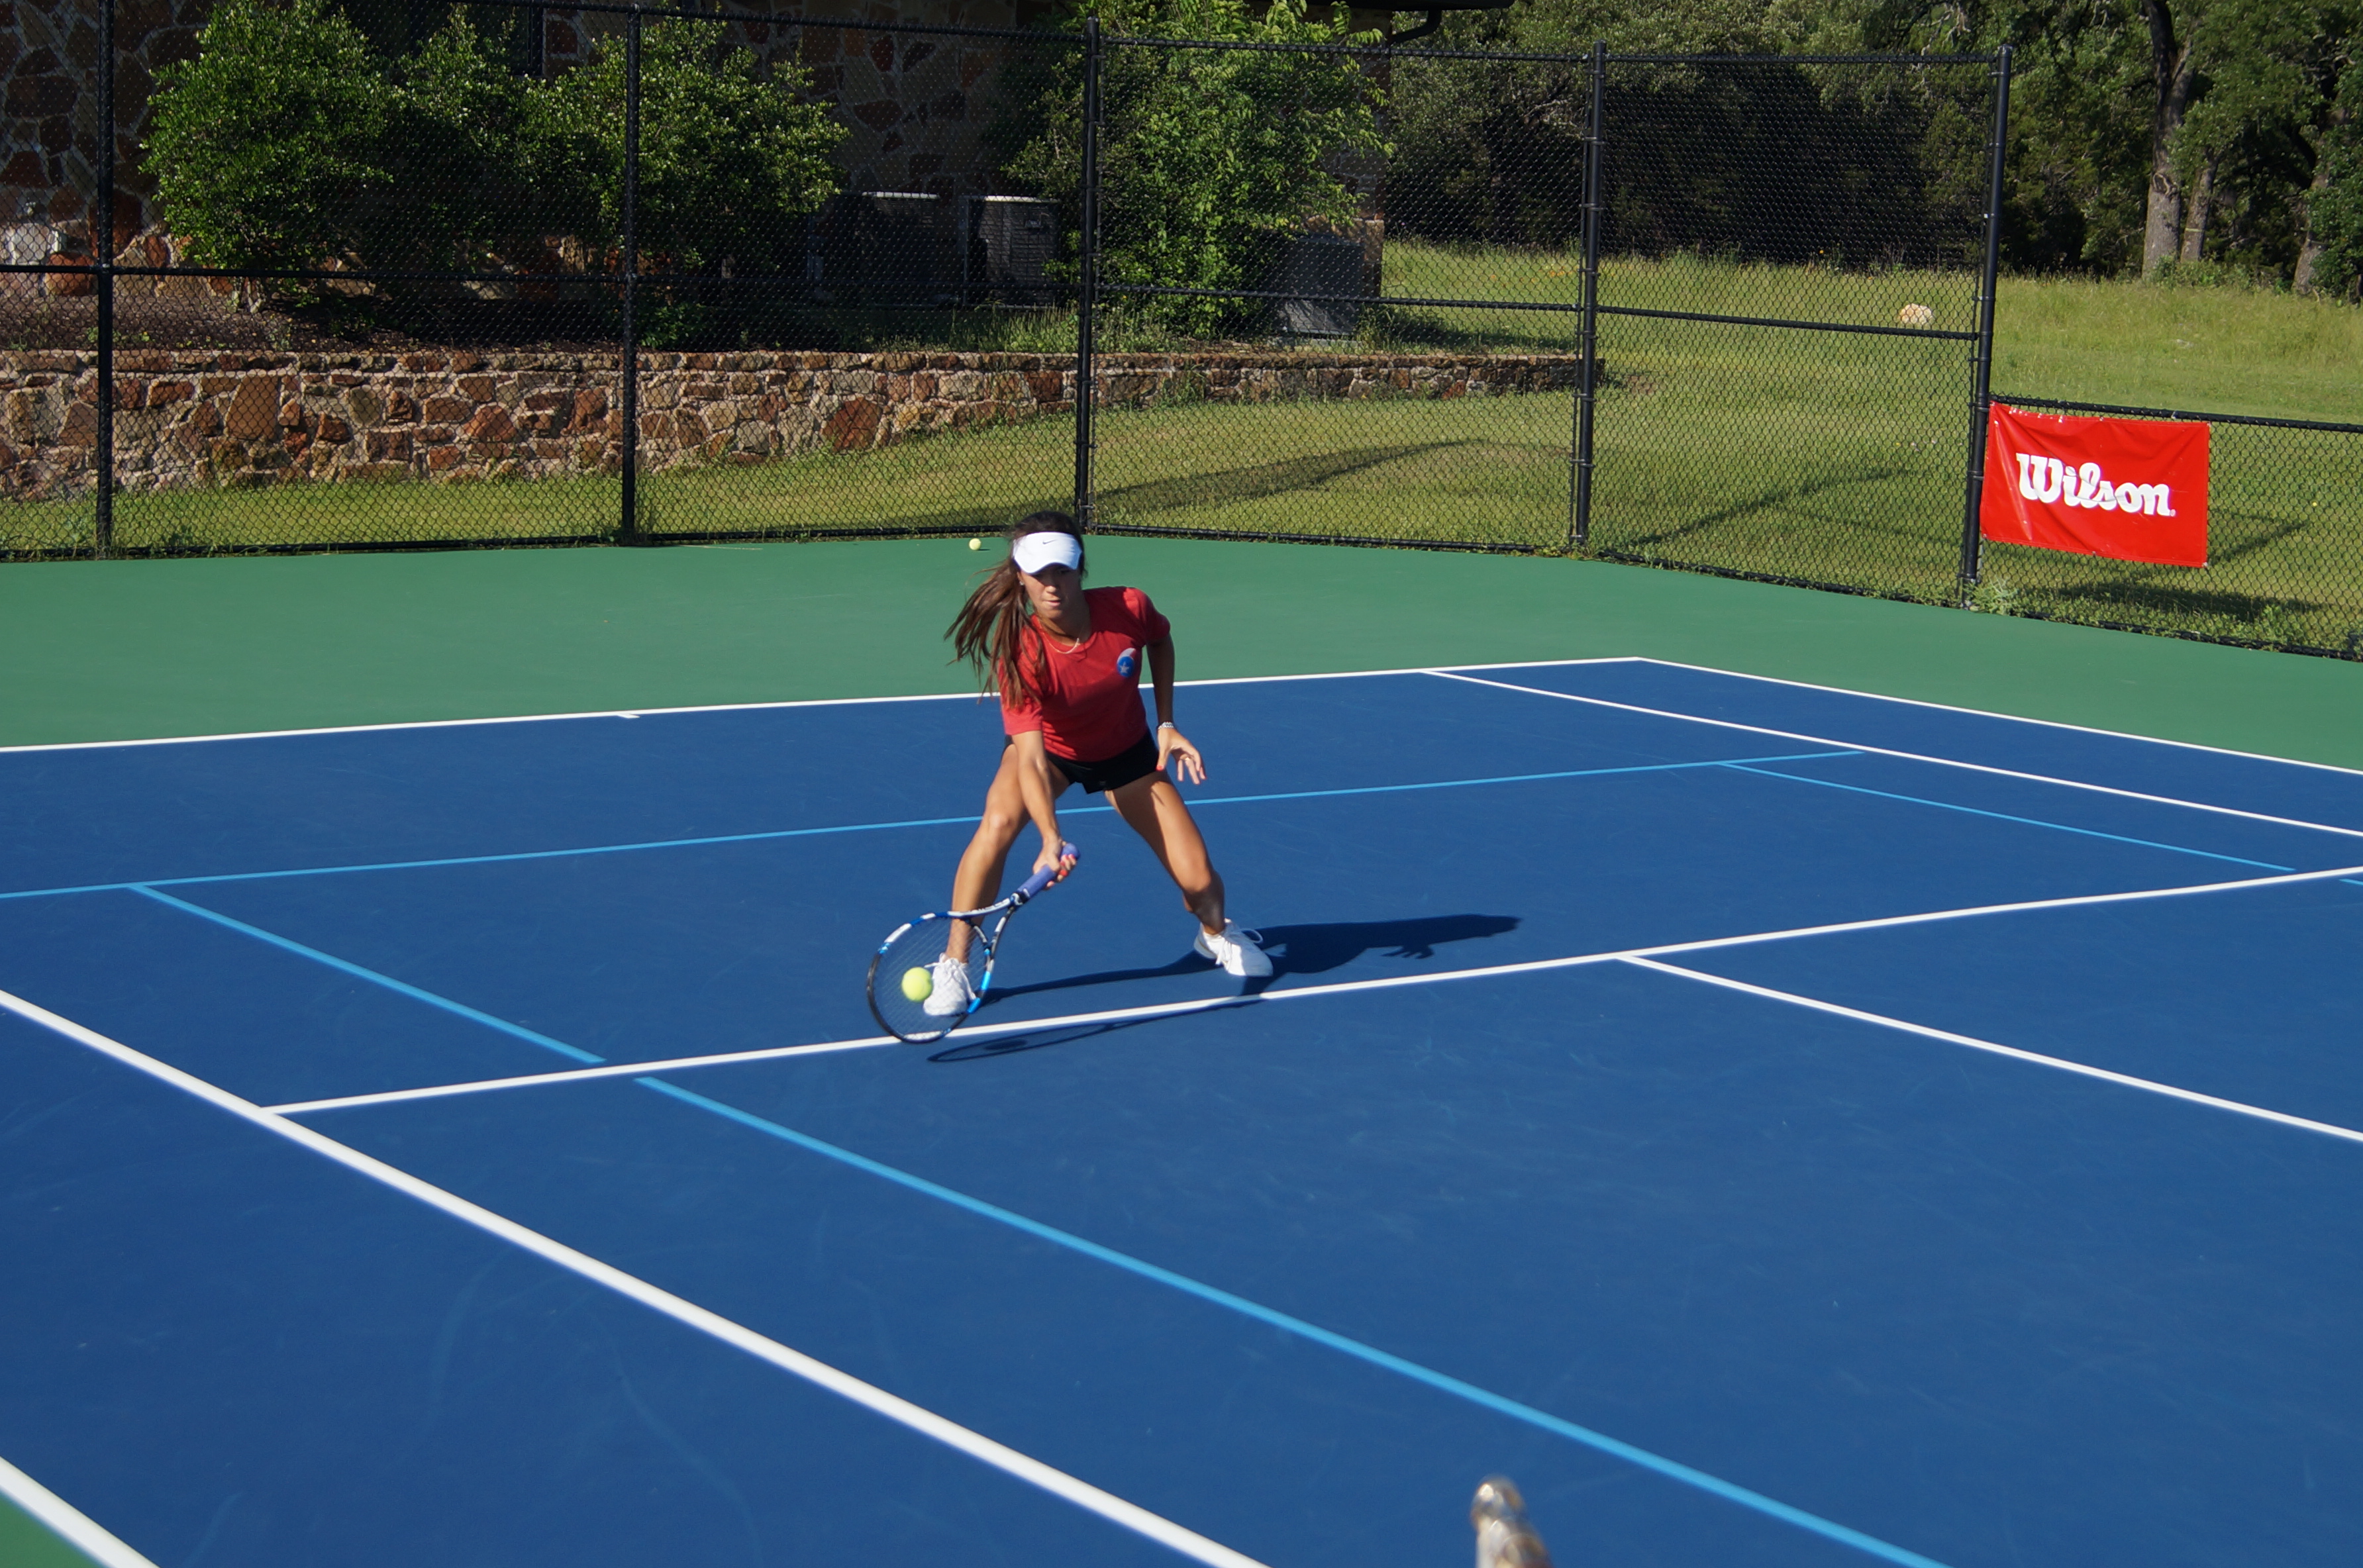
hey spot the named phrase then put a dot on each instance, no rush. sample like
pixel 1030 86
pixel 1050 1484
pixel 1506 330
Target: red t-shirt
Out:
pixel 1092 709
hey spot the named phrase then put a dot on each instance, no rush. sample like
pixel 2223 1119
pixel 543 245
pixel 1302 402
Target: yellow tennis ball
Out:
pixel 976 543
pixel 917 984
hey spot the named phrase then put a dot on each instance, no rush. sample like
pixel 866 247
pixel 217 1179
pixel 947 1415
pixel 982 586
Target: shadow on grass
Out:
pixel 1767 500
pixel 2187 601
pixel 676 515
pixel 1263 479
pixel 2141 588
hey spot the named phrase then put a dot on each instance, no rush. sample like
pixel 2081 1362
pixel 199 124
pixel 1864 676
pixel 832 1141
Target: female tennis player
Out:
pixel 1066 663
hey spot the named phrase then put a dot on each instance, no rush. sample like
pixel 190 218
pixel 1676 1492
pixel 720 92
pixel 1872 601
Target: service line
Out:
pixel 148 884
pixel 2060 1063
pixel 1299 993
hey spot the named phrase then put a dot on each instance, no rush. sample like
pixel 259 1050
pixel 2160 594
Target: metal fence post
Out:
pixel 1087 295
pixel 628 530
pixel 1982 395
pixel 1579 522
pixel 102 246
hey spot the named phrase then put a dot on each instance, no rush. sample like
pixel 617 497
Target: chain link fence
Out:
pixel 664 275
pixel 2284 540
pixel 610 273
pixel 1795 266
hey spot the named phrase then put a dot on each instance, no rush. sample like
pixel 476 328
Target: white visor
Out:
pixel 1036 551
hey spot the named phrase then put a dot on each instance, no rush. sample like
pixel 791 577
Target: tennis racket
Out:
pixel 919 990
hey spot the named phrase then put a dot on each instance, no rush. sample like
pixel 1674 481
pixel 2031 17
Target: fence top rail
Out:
pixel 1129 40
pixel 2179 413
pixel 771 18
pixel 1803 58
pixel 691 12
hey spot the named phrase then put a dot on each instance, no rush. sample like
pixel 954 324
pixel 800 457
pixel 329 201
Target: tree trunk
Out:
pixel 2194 223
pixel 2172 74
pixel 2309 255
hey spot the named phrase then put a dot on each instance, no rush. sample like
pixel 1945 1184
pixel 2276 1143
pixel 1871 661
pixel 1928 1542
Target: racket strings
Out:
pixel 929 976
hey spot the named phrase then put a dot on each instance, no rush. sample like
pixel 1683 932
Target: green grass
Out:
pixel 2222 350
pixel 1831 457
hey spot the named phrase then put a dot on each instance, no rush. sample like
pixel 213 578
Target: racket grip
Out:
pixel 1041 880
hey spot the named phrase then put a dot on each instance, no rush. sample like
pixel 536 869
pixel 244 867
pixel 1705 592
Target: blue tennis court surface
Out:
pixel 1775 1125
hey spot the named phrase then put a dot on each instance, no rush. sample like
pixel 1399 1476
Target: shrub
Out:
pixel 268 146
pixel 730 163
pixel 1209 160
pixel 291 143
pixel 458 141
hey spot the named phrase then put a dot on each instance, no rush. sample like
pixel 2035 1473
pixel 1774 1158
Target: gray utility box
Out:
pixel 884 247
pixel 1010 244
pixel 1317 264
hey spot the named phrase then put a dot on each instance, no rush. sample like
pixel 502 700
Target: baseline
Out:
pixel 976 1445
pixel 1909 756
pixel 1951 708
pixel 730 707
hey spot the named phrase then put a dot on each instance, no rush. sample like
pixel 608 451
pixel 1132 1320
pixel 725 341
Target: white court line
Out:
pixel 592 1075
pixel 2149 1085
pixel 748 707
pixel 66 1521
pixel 1911 755
pixel 1974 713
pixel 925 1422
pixel 1292 993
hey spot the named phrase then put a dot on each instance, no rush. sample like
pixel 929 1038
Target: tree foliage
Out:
pixel 291 142
pixel 730 163
pixel 1210 161
pixel 2262 156
pixel 268 148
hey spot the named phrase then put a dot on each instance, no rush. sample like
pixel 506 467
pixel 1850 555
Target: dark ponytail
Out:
pixel 990 629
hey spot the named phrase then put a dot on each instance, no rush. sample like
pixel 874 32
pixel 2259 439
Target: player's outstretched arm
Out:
pixel 1041 801
pixel 1174 748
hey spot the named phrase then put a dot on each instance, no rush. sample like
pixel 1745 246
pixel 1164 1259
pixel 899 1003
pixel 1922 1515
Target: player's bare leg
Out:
pixel 977 881
pixel 1156 811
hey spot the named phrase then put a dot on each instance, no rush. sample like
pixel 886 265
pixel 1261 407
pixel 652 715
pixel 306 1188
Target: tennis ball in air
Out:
pixel 976 543
pixel 917 984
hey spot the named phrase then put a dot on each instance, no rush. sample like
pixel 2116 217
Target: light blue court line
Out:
pixel 152 882
pixel 372 976
pixel 1600 1442
pixel 1998 816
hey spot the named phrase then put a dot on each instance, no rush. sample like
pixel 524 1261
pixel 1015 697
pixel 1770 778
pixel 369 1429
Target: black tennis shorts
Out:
pixel 1137 760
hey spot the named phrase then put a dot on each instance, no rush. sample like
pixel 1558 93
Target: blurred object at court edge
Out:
pixel 1505 1539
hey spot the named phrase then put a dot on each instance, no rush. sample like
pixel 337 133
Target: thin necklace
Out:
pixel 1051 637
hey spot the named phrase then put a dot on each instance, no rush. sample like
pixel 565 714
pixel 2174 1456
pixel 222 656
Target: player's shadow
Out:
pixel 984 1050
pixel 1307 949
pixel 1294 950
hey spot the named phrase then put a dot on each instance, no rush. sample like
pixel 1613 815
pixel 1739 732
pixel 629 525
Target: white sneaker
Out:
pixel 952 994
pixel 1235 951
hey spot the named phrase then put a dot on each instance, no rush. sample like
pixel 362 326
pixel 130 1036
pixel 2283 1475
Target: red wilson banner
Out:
pixel 2134 490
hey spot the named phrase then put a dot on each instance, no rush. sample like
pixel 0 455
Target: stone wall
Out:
pixel 187 420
